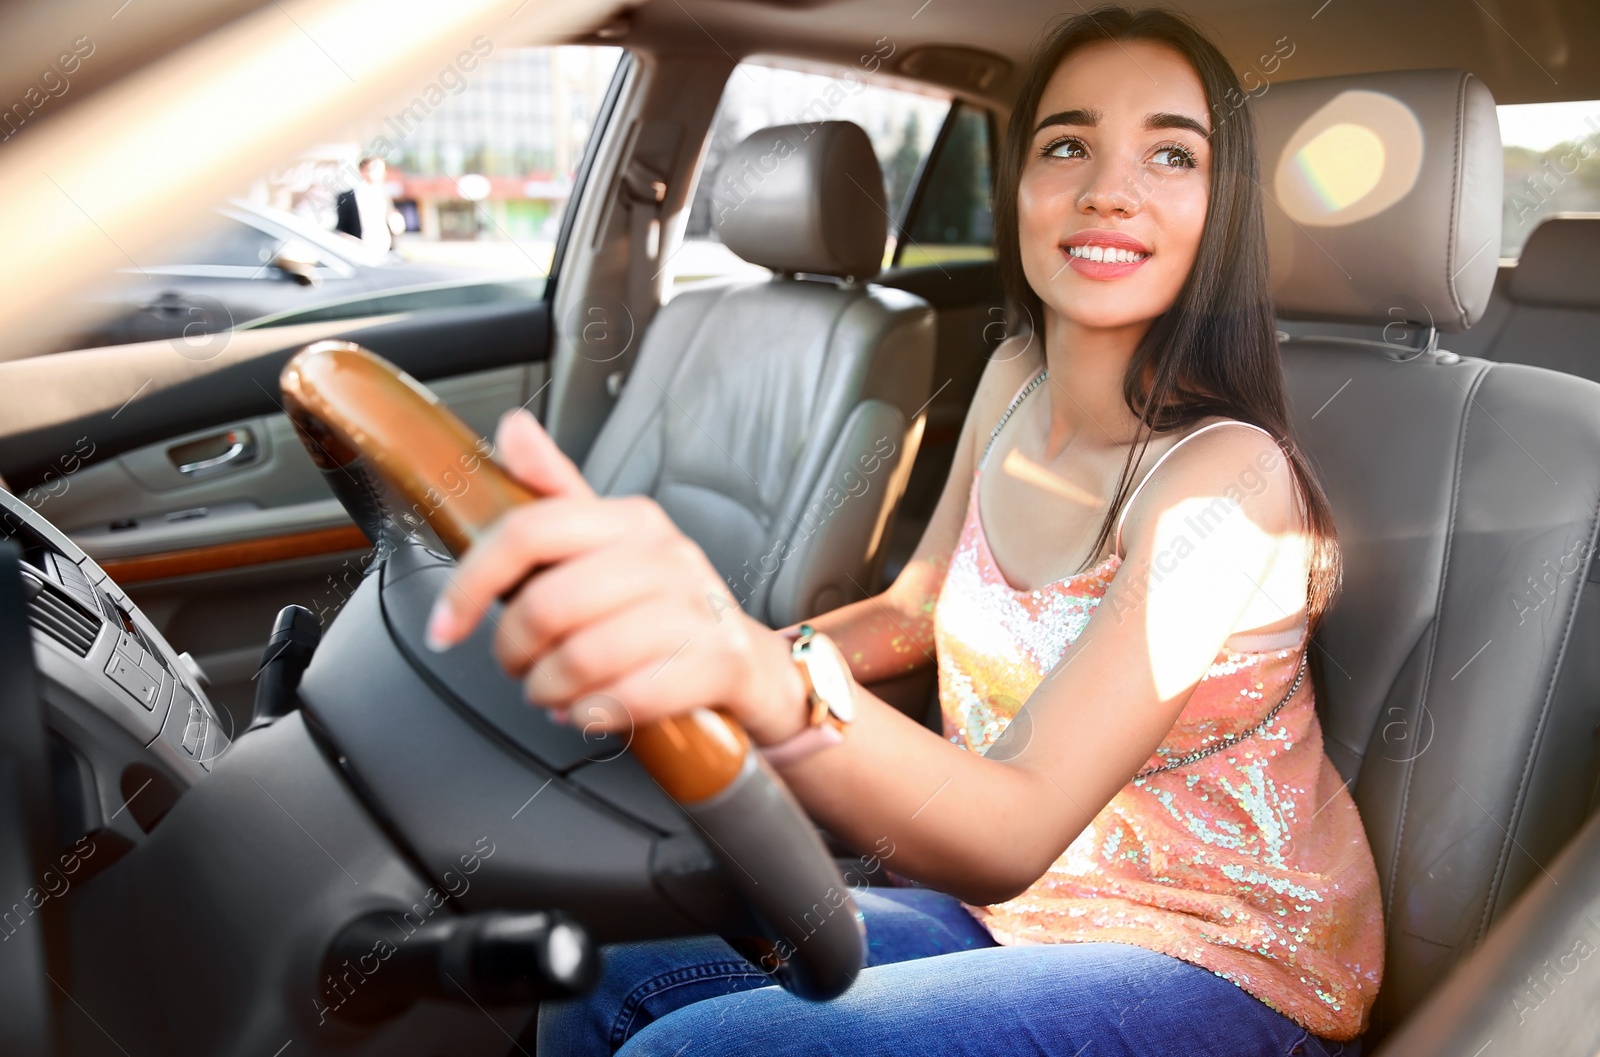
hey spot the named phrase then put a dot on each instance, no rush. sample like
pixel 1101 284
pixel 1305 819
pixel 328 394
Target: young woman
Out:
pixel 1144 846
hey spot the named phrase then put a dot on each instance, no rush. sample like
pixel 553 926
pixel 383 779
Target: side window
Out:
pixel 950 217
pixel 901 124
pixel 472 176
pixel 453 198
pixel 1552 159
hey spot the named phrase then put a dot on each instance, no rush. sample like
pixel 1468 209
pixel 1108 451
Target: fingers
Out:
pixel 708 672
pixel 636 672
pixel 664 640
pixel 560 600
pixel 532 536
pixel 532 457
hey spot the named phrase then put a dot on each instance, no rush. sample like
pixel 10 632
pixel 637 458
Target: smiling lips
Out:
pixel 1104 254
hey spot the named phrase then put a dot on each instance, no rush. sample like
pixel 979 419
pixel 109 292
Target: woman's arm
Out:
pixel 986 827
pixel 623 606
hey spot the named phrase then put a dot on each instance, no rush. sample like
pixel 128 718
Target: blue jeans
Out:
pixel 936 983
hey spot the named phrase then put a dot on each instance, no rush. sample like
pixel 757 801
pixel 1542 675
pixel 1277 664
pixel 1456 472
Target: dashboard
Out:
pixel 406 791
pixel 130 725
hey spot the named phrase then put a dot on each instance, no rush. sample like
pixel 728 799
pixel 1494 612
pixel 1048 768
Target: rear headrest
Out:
pixel 1560 265
pixel 1383 196
pixel 804 198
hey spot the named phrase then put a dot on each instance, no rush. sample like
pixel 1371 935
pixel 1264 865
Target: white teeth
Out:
pixel 1106 253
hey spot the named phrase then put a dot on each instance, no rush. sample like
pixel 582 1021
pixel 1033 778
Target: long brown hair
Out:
pixel 1215 351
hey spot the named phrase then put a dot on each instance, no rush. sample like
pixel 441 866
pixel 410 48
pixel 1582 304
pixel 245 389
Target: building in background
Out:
pixel 481 175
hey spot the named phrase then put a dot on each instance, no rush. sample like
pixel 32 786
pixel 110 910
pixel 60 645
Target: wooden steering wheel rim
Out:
pixel 349 404
pixel 360 415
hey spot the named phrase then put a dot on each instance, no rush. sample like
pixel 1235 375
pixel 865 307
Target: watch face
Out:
pixel 830 677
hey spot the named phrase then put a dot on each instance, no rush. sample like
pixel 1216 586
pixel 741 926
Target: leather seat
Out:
pixel 1547 308
pixel 1460 685
pixel 776 421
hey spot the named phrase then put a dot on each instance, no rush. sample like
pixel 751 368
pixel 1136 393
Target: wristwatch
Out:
pixel 829 692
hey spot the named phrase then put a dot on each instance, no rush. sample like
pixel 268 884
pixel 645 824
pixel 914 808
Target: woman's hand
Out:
pixel 608 604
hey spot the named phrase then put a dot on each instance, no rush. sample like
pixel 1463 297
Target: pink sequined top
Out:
pixel 1251 862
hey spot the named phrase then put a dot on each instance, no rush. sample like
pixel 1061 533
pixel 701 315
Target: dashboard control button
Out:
pixel 194 731
pixel 128 675
pixel 148 663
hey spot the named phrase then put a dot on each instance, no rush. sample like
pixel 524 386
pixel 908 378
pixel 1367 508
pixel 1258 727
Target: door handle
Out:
pixel 168 306
pixel 199 457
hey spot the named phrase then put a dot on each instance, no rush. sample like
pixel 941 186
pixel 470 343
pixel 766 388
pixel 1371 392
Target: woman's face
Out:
pixel 1114 189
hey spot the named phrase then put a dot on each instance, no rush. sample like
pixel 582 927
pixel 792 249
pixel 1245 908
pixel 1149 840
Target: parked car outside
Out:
pixel 262 266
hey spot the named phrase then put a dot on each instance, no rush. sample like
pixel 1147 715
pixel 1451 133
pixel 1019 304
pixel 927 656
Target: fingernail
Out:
pixel 440 635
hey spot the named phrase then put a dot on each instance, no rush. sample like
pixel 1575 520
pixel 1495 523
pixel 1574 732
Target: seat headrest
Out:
pixel 1383 196
pixel 804 198
pixel 1560 264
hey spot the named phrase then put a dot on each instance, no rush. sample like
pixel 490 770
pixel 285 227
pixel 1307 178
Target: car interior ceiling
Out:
pixel 1453 466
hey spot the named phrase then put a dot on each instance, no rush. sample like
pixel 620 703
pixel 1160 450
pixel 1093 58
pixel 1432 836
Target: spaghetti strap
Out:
pixel 1021 395
pixel 1116 544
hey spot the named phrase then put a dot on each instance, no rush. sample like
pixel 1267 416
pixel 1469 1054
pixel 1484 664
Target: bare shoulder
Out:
pixel 1013 363
pixel 1241 467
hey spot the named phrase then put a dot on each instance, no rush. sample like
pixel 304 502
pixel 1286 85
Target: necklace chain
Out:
pixel 994 434
pixel 1233 739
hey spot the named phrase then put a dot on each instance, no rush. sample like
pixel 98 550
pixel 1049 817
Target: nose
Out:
pixel 1113 190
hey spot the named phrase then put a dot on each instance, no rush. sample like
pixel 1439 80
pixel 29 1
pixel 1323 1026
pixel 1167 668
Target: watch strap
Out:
pixel 797 747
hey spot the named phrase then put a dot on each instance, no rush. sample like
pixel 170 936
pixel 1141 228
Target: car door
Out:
pixel 170 460
pixel 227 277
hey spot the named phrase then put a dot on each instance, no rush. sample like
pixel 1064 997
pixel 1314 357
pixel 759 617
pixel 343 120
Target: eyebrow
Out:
pixel 1165 120
pixel 1069 117
pixel 1152 122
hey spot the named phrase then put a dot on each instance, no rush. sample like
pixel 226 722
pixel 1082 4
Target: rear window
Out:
pixel 1552 158
pixel 901 124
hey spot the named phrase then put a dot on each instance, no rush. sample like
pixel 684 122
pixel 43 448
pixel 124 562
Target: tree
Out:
pixel 902 167
pixel 951 209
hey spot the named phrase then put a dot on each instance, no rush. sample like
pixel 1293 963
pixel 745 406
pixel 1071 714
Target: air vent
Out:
pixel 50 611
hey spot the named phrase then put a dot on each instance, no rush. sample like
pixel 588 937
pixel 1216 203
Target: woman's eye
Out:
pixel 1174 157
pixel 1070 147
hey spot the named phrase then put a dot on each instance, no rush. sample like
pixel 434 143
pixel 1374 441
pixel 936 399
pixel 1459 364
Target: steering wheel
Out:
pixel 359 414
